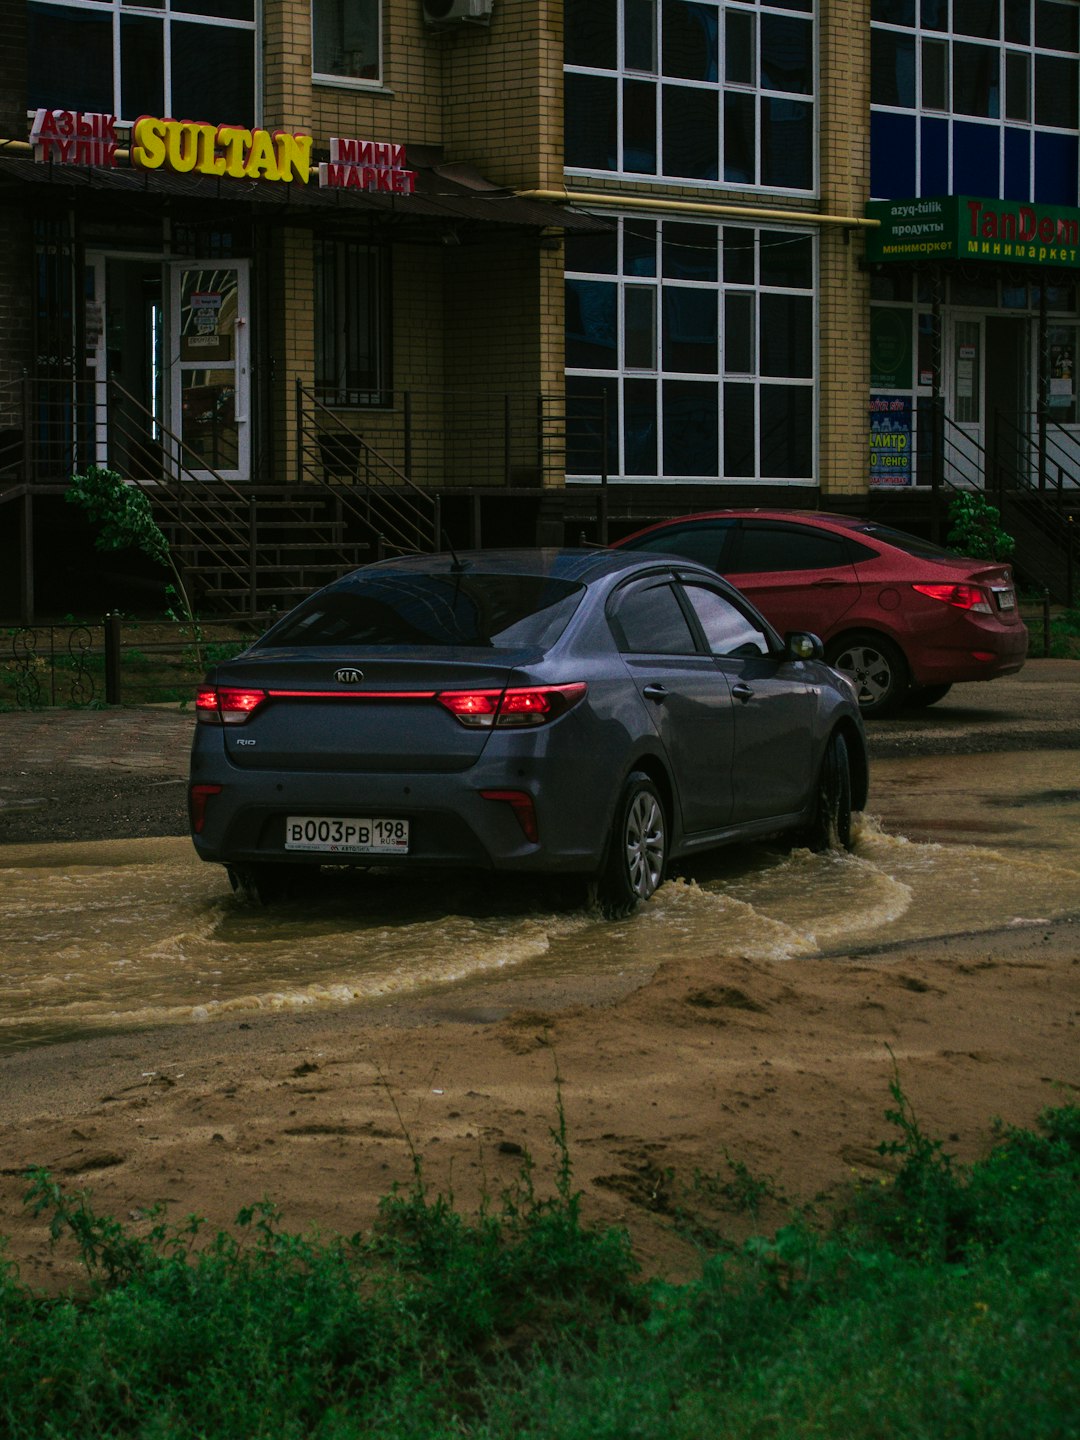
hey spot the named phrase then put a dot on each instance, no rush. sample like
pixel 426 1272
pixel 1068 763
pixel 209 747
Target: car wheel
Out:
pixel 637 849
pixel 921 695
pixel 831 825
pixel 876 668
pixel 260 884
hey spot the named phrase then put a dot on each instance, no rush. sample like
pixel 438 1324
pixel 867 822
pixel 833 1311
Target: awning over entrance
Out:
pixel 447 195
pixel 967 227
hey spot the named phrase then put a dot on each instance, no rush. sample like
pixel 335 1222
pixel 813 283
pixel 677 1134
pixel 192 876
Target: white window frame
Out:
pixel 351 82
pixel 622 373
pixel 755 8
pixel 164 11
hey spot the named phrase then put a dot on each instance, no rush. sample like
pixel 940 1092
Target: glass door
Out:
pixel 123 326
pixel 210 379
pixel 965 442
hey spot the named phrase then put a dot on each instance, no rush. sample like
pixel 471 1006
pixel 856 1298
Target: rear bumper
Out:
pixel 451 823
pixel 967 652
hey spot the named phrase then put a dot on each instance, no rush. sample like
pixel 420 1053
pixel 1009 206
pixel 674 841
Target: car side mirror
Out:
pixel 801 645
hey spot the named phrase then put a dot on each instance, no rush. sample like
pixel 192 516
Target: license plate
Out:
pixel 1006 599
pixel 334 836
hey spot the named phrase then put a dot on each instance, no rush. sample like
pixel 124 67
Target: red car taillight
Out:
pixel 225 706
pixel 525 706
pixel 964 597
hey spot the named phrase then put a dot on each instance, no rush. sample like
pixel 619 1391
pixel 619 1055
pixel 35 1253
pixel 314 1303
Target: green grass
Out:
pixel 940 1303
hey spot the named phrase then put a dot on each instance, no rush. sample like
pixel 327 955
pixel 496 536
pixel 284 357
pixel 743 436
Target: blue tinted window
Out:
pixel 1055 169
pixel 892 156
pixel 1017 165
pixel 935 157
pixel 975 159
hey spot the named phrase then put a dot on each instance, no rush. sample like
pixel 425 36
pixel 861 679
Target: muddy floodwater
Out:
pixel 111 935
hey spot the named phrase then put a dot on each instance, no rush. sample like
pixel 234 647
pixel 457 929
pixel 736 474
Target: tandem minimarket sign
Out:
pixel 186 147
pixel 964 227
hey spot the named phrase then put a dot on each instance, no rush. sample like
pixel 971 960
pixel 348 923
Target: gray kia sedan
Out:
pixel 593 713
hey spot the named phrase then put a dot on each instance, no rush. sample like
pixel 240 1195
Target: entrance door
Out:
pixel 1007 390
pixel 124 343
pixel 209 373
pixel 965 441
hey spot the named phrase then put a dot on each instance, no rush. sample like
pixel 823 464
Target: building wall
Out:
pixel 844 299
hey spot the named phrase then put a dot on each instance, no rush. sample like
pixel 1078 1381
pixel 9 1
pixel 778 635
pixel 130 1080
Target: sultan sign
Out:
pixel 962 227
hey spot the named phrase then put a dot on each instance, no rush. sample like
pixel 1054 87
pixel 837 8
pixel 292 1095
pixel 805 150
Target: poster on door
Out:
pixel 890 440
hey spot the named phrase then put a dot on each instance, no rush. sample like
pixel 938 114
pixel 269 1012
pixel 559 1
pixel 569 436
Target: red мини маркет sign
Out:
pixel 368 165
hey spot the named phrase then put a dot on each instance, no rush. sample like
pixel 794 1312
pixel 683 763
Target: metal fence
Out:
pixel 112 661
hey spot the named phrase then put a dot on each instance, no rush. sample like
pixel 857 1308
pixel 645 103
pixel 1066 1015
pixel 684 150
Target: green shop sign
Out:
pixel 964 227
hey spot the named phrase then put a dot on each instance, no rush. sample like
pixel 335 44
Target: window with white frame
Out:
pixel 345 40
pixel 690 352
pixel 975 97
pixel 352 323
pixel 692 90
pixel 190 58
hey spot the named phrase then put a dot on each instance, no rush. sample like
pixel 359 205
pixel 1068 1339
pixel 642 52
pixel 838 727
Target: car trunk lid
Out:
pixel 346 711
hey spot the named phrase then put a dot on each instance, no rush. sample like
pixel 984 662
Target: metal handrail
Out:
pixel 408 515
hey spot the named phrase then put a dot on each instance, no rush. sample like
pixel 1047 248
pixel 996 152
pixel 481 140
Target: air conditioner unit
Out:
pixel 445 13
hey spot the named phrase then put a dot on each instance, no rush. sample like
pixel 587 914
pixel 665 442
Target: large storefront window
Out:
pixel 345 39
pixel 975 97
pixel 692 90
pixel 352 323
pixel 189 58
pixel 984 356
pixel 690 353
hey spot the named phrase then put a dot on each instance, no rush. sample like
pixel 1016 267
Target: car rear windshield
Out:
pixel 910 544
pixel 500 612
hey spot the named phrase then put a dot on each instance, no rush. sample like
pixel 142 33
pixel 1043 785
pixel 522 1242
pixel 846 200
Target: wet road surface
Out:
pixel 114 934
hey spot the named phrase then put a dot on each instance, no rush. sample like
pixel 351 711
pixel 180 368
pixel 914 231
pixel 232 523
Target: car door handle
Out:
pixel 655 692
pixel 742 692
pixel 826 584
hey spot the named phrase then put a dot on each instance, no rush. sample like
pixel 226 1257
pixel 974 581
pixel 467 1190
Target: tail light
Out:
pixel 520 707
pixel 963 597
pixel 198 796
pixel 224 706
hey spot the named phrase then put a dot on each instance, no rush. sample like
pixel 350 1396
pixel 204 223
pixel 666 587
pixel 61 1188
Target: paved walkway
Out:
pixel 146 739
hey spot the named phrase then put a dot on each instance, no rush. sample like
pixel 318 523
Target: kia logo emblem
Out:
pixel 349 676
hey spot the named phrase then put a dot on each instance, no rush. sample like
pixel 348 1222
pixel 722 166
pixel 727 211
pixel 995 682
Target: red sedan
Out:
pixel 903 618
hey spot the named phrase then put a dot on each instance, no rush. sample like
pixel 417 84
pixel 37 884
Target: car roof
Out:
pixel 567 563
pixel 811 517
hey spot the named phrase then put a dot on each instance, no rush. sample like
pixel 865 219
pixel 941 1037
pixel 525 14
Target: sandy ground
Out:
pixel 783 1068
